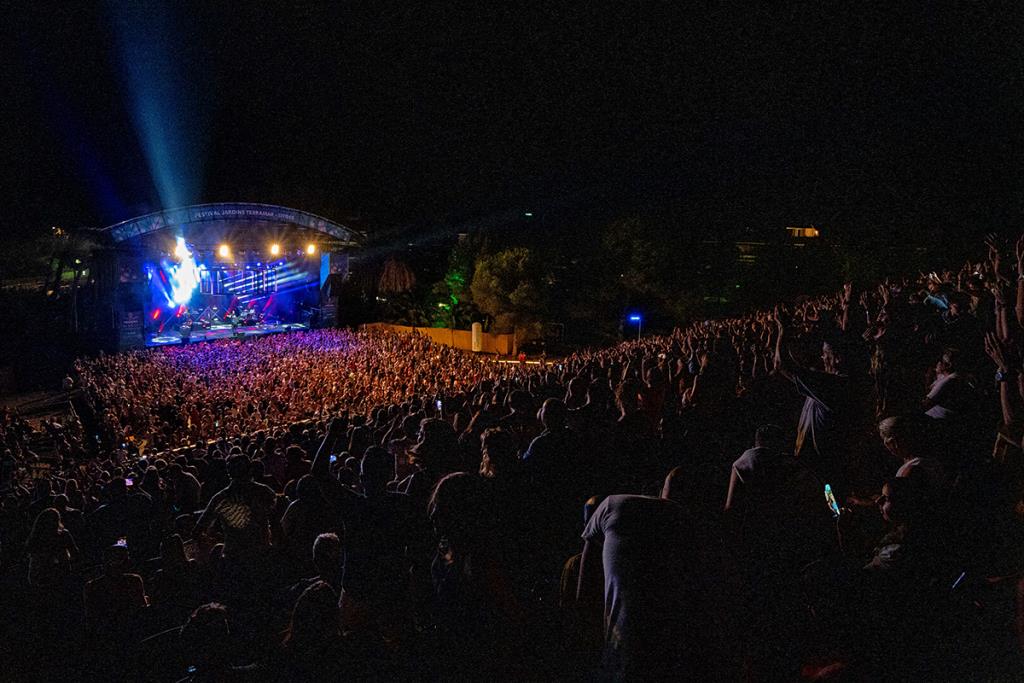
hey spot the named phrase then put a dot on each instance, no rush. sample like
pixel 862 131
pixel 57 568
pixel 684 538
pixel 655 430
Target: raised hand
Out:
pixel 994 256
pixel 780 316
pixel 995 350
pixel 886 295
pixel 997 292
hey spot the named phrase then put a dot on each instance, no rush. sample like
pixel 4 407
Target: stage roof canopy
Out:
pixel 231 213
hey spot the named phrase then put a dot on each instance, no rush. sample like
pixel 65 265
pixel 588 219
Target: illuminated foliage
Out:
pixel 509 286
pixel 452 296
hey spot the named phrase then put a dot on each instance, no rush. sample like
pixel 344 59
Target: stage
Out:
pixel 223 331
pixel 187 274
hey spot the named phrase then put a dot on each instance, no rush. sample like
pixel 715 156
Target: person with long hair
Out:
pixel 174 584
pixel 50 548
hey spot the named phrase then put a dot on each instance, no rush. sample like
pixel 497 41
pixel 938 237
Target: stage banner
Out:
pixel 229 212
pixel 329 313
pixel 130 330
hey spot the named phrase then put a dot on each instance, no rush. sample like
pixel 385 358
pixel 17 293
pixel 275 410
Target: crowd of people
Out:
pixel 828 490
pixel 199 392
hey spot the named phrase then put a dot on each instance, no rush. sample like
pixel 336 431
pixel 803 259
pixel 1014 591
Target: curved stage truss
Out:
pixel 207 213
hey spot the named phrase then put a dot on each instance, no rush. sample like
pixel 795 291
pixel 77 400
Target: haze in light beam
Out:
pixel 164 104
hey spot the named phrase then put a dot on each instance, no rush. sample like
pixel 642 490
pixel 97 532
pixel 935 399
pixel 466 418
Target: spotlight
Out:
pixel 275 249
pixel 224 251
pixel 310 248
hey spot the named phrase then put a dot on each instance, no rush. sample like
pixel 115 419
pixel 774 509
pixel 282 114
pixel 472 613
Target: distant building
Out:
pixel 797 233
pixel 749 250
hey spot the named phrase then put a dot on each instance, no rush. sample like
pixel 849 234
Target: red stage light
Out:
pixel 156 313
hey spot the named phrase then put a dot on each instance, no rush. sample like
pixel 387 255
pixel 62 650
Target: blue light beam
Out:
pixel 164 104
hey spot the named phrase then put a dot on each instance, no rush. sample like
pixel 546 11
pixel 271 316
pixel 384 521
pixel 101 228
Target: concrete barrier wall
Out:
pixel 500 344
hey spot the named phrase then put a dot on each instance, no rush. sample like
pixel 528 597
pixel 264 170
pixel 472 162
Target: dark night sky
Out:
pixel 862 119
